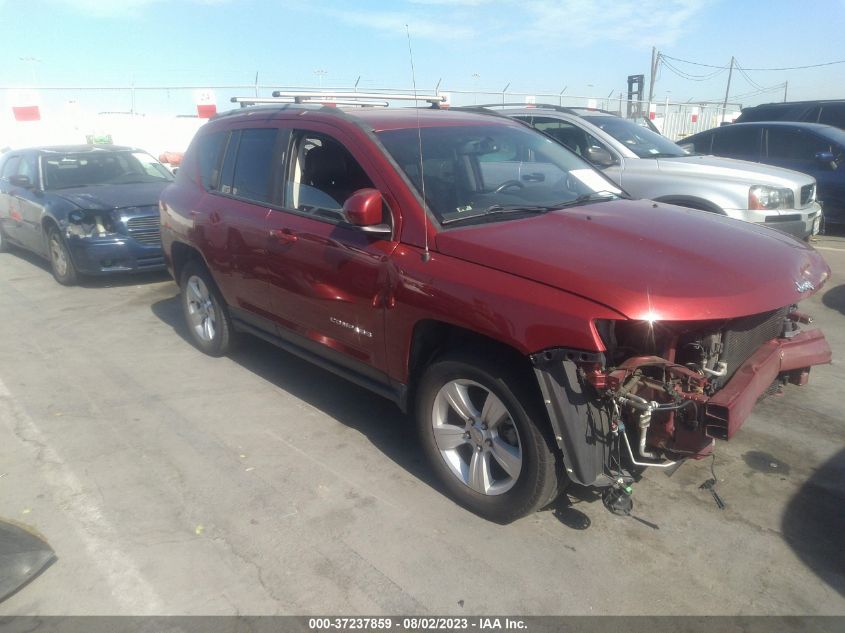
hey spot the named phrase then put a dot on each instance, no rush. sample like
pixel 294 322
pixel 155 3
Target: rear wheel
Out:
pixel 206 316
pixel 486 438
pixel 60 262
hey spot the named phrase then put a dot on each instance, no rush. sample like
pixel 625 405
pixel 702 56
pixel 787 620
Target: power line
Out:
pixel 685 75
pixel 745 94
pixel 747 78
pixel 686 61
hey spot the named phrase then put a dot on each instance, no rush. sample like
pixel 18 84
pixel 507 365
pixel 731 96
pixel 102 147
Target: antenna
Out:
pixel 427 254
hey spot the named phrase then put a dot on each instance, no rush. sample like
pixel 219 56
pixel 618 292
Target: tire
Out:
pixel 206 314
pixel 61 263
pixel 507 444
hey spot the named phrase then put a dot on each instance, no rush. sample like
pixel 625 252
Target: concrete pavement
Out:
pixel 169 482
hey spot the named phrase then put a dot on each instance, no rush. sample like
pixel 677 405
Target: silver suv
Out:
pixel 648 165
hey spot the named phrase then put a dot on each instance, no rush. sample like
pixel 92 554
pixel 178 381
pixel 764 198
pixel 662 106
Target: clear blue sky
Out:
pixel 589 46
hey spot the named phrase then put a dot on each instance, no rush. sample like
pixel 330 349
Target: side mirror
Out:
pixel 599 156
pixel 826 158
pixel 19 180
pixel 363 210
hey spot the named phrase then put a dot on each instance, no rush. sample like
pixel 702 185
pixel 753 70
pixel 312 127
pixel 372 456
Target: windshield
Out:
pixel 494 170
pixel 640 140
pixel 63 171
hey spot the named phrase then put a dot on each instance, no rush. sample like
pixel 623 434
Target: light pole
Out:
pixel 320 74
pixel 476 77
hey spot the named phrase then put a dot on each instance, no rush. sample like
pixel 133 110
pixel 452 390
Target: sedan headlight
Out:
pixel 89 224
pixel 763 197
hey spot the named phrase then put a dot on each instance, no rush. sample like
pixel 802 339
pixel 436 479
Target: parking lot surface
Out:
pixel 169 482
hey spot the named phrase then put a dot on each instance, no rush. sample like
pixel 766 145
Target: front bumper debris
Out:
pixel 681 418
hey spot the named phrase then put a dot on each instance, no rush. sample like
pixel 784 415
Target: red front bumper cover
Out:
pixel 730 406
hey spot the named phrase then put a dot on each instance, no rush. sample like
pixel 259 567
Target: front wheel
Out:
pixel 486 438
pixel 205 311
pixel 60 262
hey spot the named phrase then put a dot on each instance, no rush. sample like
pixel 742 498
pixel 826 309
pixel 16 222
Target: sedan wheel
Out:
pixel 60 261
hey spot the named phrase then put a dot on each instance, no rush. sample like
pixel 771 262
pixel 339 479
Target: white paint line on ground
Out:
pixel 128 586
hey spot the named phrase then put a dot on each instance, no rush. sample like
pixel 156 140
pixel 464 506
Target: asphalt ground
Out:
pixel 170 483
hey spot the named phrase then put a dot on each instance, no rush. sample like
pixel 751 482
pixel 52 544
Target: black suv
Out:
pixel 830 112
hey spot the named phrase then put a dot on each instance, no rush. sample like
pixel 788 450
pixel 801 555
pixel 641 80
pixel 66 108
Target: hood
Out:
pixel 732 169
pixel 648 260
pixel 107 197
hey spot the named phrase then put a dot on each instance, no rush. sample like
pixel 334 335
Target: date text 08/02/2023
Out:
pixel 416 623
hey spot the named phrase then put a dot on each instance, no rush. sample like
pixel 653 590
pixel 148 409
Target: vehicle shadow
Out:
pixel 814 521
pixel 105 281
pixel 30 258
pixel 378 419
pixel 835 298
pixel 118 280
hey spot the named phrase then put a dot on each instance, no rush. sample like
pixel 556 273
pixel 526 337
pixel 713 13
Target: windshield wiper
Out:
pixel 498 209
pixel 595 196
pixel 90 184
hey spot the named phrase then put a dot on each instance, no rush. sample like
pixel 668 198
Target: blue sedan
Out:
pixel 90 210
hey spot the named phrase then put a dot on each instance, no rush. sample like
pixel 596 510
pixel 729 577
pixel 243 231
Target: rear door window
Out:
pixel 737 142
pixel 253 171
pixel 701 145
pixel 210 150
pixel 572 136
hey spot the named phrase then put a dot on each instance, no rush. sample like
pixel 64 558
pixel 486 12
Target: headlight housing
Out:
pixel 89 224
pixel 764 197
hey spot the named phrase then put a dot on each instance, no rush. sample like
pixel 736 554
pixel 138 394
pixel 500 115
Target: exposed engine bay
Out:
pixel 664 391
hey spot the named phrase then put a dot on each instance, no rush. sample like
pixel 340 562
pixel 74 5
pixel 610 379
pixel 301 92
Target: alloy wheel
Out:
pixel 58 255
pixel 476 437
pixel 201 310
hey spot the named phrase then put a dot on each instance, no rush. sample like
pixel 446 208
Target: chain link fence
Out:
pixel 164 118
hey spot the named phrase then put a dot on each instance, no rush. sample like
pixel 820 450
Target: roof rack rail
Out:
pixel 547 106
pixel 333 97
pixel 250 101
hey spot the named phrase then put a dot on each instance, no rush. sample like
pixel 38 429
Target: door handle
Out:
pixel 283 236
pixel 538 177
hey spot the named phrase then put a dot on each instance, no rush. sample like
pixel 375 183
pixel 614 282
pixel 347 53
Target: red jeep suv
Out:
pixel 543 327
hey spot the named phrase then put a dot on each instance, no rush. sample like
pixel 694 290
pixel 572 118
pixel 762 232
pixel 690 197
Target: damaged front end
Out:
pixel 664 391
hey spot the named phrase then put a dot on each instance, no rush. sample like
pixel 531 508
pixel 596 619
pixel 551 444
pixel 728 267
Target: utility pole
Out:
pixel 655 56
pixel 728 89
pixel 785 88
